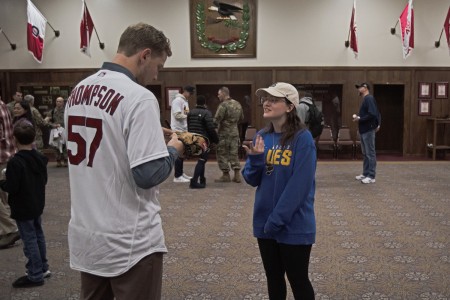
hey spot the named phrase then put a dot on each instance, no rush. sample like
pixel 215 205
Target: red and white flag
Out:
pixel 86 28
pixel 353 36
pixel 447 28
pixel 35 31
pixel 407 28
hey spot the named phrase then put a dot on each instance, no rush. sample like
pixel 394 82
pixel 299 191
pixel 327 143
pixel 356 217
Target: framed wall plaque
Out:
pixel 171 92
pixel 441 90
pixel 424 107
pixel 425 89
pixel 220 29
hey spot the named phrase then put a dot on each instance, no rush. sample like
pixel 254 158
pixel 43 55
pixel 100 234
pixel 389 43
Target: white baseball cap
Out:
pixel 281 89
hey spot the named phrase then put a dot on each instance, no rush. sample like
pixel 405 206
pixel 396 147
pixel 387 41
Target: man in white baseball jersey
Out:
pixel 178 122
pixel 117 157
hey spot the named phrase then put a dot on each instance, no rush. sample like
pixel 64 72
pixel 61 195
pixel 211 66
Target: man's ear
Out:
pixel 146 53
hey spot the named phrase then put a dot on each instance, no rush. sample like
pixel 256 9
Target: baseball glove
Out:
pixel 194 143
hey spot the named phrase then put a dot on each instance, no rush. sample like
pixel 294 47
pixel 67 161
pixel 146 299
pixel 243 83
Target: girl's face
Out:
pixel 275 107
pixel 18 110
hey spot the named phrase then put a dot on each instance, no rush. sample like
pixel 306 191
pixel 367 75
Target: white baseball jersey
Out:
pixel 112 125
pixel 179 104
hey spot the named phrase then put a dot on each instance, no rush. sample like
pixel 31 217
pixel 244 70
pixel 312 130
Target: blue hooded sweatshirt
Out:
pixel 284 198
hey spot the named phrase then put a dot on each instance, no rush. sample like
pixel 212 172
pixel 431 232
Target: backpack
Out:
pixel 315 120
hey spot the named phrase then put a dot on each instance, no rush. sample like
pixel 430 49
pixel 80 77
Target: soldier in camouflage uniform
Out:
pixel 228 115
pixel 55 119
pixel 39 122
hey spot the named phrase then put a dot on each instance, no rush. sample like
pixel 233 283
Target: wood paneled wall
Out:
pixel 414 126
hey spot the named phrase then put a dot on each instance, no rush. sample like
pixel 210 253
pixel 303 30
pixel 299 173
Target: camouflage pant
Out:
pixel 227 153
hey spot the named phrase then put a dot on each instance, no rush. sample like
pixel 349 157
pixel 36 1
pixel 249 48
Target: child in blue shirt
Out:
pixel 281 163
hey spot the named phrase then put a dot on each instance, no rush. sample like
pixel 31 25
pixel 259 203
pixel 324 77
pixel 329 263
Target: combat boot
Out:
pixel 224 178
pixel 237 176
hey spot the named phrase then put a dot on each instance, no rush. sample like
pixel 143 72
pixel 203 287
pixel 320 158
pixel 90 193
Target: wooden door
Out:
pixel 390 100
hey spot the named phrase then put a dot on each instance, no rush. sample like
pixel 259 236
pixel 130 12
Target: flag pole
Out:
pixel 347 42
pixel 55 31
pixel 393 28
pixel 438 42
pixel 102 45
pixel 13 46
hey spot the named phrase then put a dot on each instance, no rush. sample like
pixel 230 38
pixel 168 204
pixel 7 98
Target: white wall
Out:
pixel 289 33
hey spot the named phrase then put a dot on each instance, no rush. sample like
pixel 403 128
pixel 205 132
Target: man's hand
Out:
pixel 177 144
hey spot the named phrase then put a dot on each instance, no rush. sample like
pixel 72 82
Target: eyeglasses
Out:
pixel 269 169
pixel 271 99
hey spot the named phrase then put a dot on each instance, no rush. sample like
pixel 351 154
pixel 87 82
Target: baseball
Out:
pixel 354 116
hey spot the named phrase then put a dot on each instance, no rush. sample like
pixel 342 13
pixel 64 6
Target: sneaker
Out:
pixel 368 180
pixel 360 177
pixel 25 282
pixel 46 274
pixel 186 176
pixel 181 179
pixel 9 239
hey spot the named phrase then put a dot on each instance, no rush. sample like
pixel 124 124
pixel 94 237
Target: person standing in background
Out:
pixel 303 108
pixel 55 119
pixel 117 159
pixel 16 98
pixel 39 122
pixel 369 121
pixel 178 122
pixel 9 233
pixel 246 107
pixel 26 177
pixel 336 122
pixel 200 121
pixel 228 115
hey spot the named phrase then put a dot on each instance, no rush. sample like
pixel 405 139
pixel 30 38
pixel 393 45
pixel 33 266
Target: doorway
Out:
pixel 390 101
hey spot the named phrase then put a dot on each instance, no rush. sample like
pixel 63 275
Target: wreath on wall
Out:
pixel 230 44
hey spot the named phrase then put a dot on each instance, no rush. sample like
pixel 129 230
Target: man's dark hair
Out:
pixel 24 133
pixel 141 36
pixel 201 100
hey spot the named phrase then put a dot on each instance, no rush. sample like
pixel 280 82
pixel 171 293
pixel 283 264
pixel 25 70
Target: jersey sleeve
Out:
pixel 144 137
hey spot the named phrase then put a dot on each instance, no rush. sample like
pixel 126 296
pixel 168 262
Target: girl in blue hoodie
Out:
pixel 281 163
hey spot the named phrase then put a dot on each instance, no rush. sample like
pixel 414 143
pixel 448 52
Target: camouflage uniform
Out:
pixel 56 116
pixel 38 122
pixel 228 115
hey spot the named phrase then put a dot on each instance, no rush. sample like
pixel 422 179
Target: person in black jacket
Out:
pixel 26 177
pixel 200 121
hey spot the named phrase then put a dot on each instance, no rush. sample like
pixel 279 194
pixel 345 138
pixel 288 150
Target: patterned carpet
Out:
pixel 388 240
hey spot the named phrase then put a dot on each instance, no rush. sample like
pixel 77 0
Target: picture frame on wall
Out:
pixel 171 93
pixel 424 107
pixel 441 90
pixel 222 30
pixel 425 89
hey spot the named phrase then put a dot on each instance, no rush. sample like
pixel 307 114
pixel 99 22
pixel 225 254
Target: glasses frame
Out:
pixel 272 99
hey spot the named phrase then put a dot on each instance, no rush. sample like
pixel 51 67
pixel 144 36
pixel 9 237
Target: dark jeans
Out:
pixel 179 167
pixel 34 249
pixel 292 260
pixel 199 171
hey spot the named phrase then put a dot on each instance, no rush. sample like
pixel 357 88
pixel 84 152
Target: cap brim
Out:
pixel 270 91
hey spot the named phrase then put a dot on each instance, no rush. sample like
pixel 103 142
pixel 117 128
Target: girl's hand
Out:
pixel 258 148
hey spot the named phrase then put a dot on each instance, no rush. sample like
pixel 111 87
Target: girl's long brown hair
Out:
pixel 290 127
